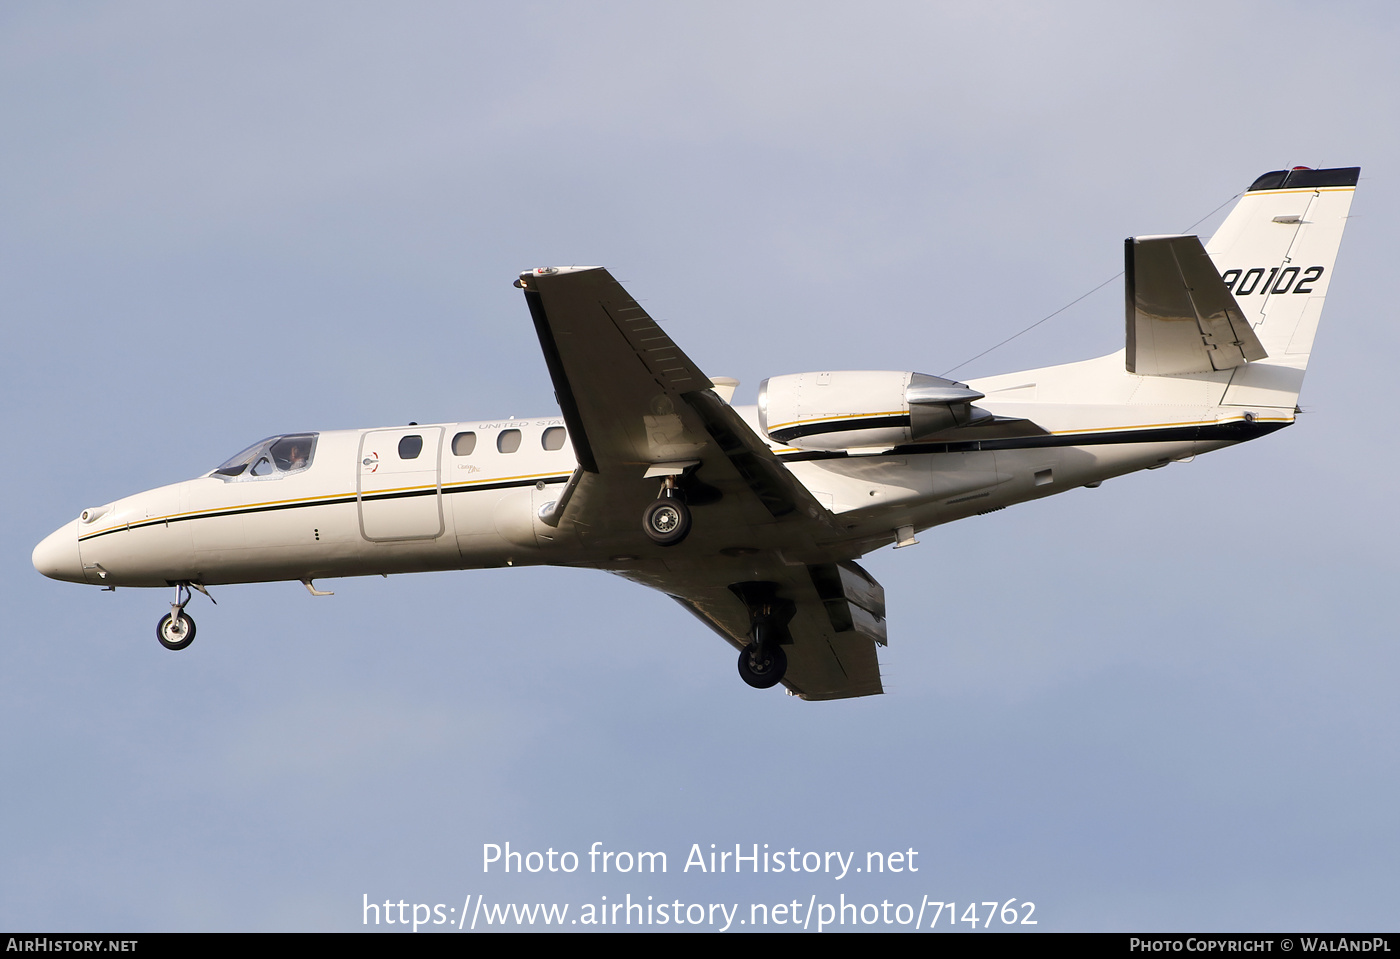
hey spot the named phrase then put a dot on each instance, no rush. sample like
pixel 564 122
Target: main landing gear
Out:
pixel 762 665
pixel 763 662
pixel 176 629
pixel 667 520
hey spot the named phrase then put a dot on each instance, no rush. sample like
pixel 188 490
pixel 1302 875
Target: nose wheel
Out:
pixel 175 630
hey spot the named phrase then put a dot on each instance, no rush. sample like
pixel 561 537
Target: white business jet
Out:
pixel 752 518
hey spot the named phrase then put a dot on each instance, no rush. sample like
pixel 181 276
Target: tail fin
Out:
pixel 1275 253
pixel 1276 249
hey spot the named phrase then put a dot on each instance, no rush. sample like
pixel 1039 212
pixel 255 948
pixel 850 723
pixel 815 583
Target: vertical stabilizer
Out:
pixel 1276 249
pixel 1275 253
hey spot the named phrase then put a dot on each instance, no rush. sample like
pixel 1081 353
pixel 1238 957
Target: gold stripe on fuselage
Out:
pixel 831 419
pixel 322 499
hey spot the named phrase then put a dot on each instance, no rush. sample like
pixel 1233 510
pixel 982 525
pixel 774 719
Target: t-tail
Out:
pixel 1247 302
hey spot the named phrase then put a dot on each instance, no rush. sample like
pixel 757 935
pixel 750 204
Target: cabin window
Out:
pixel 508 441
pixel 463 444
pixel 410 446
pixel 553 438
pixel 271 458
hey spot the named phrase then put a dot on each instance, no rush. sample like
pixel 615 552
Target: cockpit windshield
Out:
pixel 270 458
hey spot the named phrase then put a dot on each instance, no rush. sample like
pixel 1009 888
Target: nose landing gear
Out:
pixel 176 629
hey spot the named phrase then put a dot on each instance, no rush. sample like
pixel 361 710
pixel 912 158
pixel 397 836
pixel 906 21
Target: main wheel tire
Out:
pixel 175 633
pixel 762 672
pixel 666 521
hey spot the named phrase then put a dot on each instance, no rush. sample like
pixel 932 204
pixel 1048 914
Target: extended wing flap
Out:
pixel 1181 318
pixel 839 620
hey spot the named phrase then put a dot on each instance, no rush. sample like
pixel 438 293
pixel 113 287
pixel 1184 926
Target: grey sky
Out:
pixel 1164 704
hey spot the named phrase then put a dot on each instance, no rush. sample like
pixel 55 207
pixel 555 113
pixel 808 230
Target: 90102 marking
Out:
pixel 1249 280
pixel 1009 915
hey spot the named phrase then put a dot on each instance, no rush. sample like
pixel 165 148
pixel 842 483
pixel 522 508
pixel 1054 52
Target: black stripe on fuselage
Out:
pixel 1236 432
pixel 840 426
pixel 328 501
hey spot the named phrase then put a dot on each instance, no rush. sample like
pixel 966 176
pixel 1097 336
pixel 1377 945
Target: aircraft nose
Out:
pixel 57 556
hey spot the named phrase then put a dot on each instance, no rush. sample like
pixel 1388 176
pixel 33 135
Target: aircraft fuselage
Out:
pixel 356 510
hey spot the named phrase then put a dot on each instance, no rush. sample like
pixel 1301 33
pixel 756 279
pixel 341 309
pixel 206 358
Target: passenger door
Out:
pixel 400 488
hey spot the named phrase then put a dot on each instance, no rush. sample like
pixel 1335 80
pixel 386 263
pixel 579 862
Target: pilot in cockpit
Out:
pixel 290 453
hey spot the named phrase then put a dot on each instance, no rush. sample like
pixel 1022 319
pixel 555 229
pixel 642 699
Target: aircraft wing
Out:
pixel 837 623
pixel 637 408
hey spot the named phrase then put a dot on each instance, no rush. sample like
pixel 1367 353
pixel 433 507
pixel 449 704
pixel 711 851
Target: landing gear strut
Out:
pixel 176 629
pixel 763 662
pixel 667 520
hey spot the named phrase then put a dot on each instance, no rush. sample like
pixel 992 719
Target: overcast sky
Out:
pixel 1166 704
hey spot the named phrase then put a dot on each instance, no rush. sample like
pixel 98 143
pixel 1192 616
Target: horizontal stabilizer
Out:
pixel 1181 317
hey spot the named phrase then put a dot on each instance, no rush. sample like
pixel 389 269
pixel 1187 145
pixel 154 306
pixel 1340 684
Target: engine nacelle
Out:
pixel 846 410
